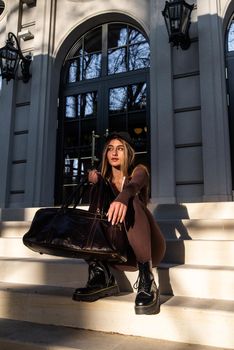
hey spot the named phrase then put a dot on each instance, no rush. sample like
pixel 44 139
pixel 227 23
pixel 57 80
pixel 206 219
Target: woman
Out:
pixel 146 243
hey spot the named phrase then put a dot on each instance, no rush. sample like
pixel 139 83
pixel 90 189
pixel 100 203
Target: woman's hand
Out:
pixel 93 176
pixel 117 212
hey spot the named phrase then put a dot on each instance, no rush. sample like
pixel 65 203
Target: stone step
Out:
pixel 61 272
pixel 14 228
pixel 31 336
pixel 215 282
pixel 14 247
pixel 182 319
pixel 203 210
pixel 212 282
pixel 198 252
pixel 187 229
pixel 17 214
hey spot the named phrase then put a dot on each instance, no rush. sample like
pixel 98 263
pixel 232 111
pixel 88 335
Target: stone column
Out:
pixel 215 136
pixel 7 103
pixel 40 170
pixel 161 114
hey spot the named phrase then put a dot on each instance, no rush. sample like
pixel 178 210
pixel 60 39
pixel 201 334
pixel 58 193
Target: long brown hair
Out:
pixel 129 156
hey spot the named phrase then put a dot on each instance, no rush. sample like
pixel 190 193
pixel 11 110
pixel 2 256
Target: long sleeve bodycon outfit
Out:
pixel 145 238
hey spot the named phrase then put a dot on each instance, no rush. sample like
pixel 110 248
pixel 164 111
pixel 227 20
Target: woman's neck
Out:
pixel 117 174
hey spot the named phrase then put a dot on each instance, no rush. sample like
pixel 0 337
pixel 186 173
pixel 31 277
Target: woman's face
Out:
pixel 115 153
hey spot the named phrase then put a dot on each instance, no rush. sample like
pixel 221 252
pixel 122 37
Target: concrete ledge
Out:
pixel 190 320
pixel 30 336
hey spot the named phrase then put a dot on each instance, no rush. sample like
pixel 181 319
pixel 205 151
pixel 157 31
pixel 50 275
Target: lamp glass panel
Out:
pixel 175 16
pixel 185 19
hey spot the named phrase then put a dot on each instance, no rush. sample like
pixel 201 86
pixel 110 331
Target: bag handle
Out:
pixel 81 188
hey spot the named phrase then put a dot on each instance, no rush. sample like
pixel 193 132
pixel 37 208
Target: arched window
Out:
pixel 230 87
pixel 104 88
pixel 2 7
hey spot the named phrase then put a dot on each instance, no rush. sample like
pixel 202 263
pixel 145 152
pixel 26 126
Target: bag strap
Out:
pixel 77 194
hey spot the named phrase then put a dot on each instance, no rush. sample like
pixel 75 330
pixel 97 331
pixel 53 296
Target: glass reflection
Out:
pixel 118 100
pixel 71 166
pixel 93 41
pixel 117 61
pixel 231 38
pixel 139 56
pixel 70 107
pixel 71 132
pixel 135 36
pixel 117 35
pixel 75 70
pixel 86 138
pixel 87 104
pixel 92 66
pixel 137 96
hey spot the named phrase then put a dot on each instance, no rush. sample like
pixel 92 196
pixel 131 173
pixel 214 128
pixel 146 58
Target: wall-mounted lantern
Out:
pixel 177 14
pixel 11 57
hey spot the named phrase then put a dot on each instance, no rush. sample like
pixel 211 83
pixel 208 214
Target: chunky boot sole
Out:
pixel 97 294
pixel 150 309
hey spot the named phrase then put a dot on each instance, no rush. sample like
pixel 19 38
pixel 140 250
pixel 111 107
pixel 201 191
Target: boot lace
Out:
pixel 141 285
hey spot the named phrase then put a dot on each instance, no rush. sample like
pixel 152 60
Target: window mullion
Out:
pixel 104 49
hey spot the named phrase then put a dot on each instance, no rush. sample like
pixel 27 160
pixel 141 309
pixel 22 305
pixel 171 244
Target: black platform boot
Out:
pixel 101 283
pixel 147 299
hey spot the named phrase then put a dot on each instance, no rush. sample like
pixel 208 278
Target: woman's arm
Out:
pixel 139 180
pixel 118 208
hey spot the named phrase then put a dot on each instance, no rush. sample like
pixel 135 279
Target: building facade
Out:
pixel 99 66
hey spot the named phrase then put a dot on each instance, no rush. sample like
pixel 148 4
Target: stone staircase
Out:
pixel 196 281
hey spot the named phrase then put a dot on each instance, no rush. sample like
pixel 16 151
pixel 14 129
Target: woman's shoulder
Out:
pixel 140 168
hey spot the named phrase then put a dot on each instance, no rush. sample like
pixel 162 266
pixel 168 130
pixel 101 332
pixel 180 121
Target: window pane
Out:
pixel 87 105
pixel 138 131
pixel 117 35
pixel 74 70
pixel 231 38
pixel 71 133
pixel 87 126
pixel 139 56
pixel 92 66
pixel 70 166
pixel 117 122
pixel 117 61
pixel 70 107
pixel 137 97
pixel 135 36
pixel 118 100
pixel 93 41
